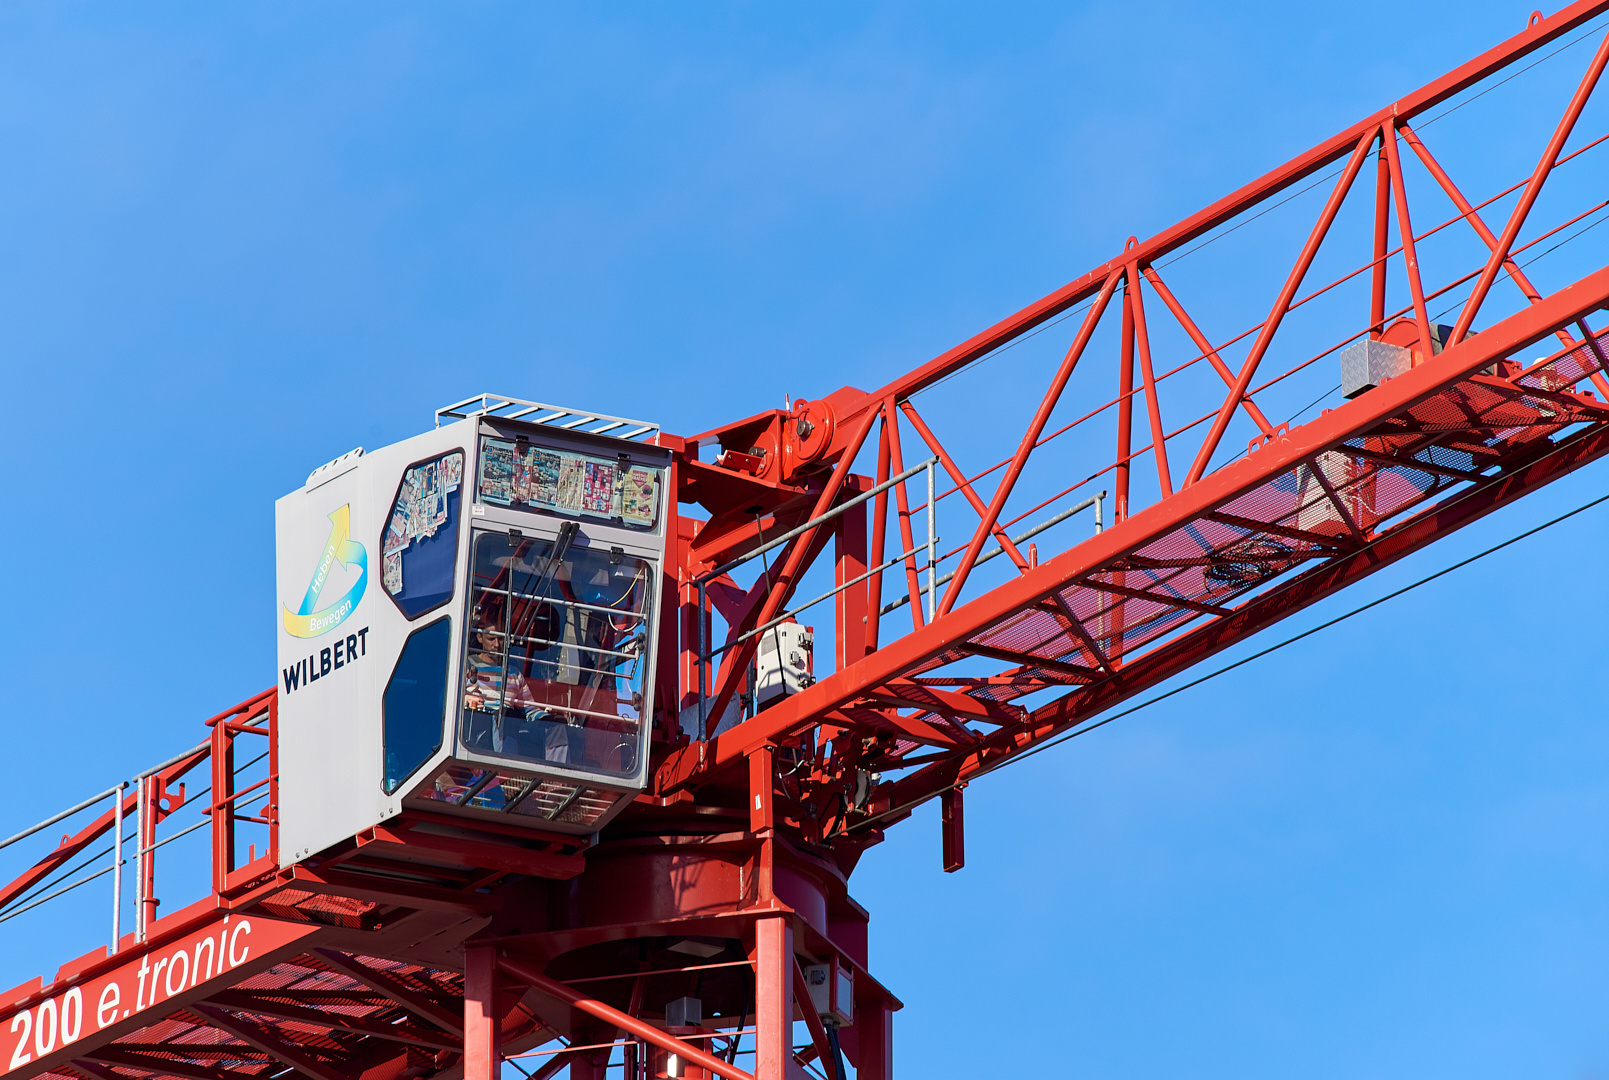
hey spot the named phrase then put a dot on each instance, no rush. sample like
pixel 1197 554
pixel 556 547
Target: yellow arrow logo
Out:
pixel 340 548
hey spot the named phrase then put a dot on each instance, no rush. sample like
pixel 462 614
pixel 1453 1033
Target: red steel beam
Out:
pixel 1361 414
pixel 874 584
pixel 772 950
pixel 1522 210
pixel 1153 404
pixel 1029 660
pixel 483 1058
pixel 1047 404
pixel 1410 254
pixel 383 982
pixel 405 1034
pixel 630 1024
pixel 268 1041
pixel 157 1066
pixel 1282 306
pixel 1466 208
pixel 1533 37
pixel 818 1031
pixel 913 585
pixel 73 845
pixel 962 484
pixel 1309 588
pixel 1382 242
pixel 1200 341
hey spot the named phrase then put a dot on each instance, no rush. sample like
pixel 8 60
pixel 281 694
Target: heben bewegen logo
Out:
pixel 311 621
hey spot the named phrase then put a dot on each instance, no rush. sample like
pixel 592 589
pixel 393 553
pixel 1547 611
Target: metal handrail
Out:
pixel 559 601
pixel 76 870
pixel 63 816
pixel 828 595
pixel 495 406
pixel 828 515
pixel 59 892
pixel 706 654
pixel 1026 535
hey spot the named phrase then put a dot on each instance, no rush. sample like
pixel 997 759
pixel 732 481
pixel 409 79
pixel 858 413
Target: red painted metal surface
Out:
pixel 436 947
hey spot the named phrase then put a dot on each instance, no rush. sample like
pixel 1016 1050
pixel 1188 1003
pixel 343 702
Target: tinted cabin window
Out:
pixel 420 544
pixel 555 654
pixel 415 702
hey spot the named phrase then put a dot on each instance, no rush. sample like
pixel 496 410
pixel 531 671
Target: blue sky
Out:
pixel 238 240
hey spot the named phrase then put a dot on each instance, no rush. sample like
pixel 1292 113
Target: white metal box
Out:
pixel 784 663
pixel 1368 363
pixel 685 1011
pixel 466 624
pixel 832 991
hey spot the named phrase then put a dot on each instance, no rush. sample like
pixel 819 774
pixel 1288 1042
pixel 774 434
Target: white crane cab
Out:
pixel 467 623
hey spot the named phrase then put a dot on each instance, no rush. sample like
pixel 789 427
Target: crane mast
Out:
pixel 658 884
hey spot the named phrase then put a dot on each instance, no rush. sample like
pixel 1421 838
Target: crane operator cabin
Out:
pixel 467 623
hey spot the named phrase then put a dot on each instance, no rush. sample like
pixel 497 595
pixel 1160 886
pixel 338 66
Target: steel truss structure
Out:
pixel 436 947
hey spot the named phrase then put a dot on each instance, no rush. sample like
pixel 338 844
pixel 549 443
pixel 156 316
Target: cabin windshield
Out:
pixel 556 651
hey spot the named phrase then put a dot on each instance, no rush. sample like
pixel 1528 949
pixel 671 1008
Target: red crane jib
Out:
pixel 716 908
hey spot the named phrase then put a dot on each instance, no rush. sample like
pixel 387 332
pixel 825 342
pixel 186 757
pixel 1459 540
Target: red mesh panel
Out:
pixel 184 1039
pixel 418 977
pixel 190 1042
pixel 303 906
pixel 1313 512
pixel 1569 369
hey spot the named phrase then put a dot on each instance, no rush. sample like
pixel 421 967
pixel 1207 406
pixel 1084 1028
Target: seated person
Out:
pixel 483 688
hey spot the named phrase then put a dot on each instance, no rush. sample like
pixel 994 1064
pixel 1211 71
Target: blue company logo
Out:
pixel 306 622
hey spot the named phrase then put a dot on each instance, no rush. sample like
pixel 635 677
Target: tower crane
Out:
pixel 553 775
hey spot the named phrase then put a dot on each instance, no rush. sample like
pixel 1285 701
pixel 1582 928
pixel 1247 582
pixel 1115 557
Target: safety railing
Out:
pixel 235 793
pixel 706 654
pixel 928 565
pixel 500 407
pixel 1097 501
